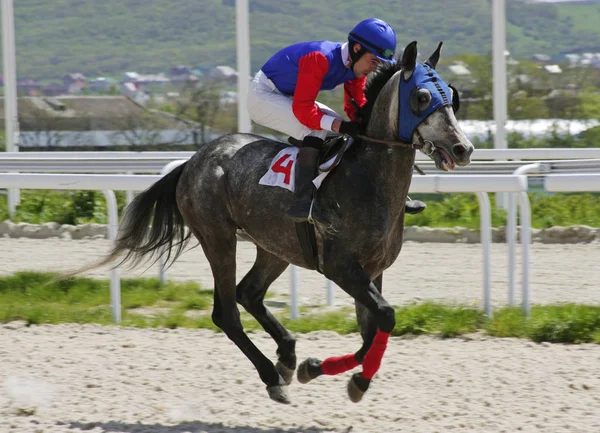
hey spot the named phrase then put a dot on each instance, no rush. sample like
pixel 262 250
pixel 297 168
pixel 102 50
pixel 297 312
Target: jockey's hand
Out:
pixel 350 128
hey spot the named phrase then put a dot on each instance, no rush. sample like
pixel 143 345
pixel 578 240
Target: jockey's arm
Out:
pixel 311 69
pixel 354 89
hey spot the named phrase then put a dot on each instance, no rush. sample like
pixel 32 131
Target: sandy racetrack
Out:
pixel 72 378
pixel 161 381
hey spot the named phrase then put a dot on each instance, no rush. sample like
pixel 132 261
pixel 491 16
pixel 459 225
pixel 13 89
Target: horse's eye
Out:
pixel 423 97
pixel 419 100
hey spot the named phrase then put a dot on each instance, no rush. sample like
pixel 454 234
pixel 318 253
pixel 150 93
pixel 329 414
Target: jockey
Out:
pixel 283 94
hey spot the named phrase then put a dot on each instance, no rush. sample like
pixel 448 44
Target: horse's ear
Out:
pixel 409 60
pixel 435 57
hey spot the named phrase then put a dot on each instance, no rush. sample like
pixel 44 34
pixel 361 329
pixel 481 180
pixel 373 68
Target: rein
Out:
pixel 426 146
pixel 413 146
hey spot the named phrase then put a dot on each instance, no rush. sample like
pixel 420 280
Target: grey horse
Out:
pixel 217 195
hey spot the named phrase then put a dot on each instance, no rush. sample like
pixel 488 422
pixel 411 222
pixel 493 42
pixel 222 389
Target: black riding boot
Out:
pixel 414 206
pixel 306 171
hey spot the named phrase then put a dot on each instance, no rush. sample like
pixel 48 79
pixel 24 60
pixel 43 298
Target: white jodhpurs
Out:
pixel 269 107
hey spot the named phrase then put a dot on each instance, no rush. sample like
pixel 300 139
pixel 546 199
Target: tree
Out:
pixel 150 128
pixel 201 102
pixel 521 107
pixel 476 90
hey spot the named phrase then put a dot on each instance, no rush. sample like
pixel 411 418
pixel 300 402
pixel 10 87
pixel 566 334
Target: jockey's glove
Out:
pixel 350 128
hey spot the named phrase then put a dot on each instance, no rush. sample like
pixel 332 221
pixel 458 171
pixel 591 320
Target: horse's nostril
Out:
pixel 459 150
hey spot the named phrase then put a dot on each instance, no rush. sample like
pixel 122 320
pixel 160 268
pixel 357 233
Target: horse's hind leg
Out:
pixel 220 251
pixel 251 293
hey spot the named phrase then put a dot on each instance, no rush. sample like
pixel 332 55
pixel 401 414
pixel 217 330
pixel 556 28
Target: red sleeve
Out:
pixel 311 69
pixel 354 89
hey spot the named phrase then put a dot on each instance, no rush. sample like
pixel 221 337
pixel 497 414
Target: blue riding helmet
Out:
pixel 423 77
pixel 377 37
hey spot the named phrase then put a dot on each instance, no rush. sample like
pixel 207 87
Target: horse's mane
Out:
pixel 375 83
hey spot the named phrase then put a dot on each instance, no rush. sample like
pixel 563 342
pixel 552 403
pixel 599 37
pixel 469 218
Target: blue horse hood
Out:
pixel 423 77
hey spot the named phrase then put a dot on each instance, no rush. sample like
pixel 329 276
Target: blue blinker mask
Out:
pixel 423 77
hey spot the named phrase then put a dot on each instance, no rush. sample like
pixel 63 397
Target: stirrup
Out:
pixel 414 207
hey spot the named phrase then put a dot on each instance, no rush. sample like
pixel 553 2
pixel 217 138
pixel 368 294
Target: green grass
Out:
pixel 34 298
pixel 547 210
pixel 568 323
pixel 31 296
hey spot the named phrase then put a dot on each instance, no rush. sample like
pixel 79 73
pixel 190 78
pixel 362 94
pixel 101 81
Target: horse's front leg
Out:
pixel 366 322
pixel 376 319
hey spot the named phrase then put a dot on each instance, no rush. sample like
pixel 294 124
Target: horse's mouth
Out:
pixel 443 160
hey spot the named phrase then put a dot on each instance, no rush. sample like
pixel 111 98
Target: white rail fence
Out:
pixel 515 185
pixel 485 160
pixel 480 185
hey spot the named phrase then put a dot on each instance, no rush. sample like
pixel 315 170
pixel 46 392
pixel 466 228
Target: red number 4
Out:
pixel 278 167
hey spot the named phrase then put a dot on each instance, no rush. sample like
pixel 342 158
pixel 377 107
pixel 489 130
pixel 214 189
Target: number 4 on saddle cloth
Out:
pixel 281 172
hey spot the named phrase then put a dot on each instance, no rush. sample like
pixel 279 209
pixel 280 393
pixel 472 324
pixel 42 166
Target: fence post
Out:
pixel 115 278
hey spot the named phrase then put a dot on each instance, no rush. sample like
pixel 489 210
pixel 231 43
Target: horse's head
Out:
pixel 426 107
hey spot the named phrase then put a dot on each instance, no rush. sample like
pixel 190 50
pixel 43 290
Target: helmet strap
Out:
pixel 355 57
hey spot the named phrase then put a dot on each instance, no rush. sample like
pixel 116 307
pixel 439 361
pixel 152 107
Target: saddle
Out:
pixel 335 146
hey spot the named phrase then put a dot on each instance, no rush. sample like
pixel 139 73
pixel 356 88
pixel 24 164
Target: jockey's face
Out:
pixel 366 64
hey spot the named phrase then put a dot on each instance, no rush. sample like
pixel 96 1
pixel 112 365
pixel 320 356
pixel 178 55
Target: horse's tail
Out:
pixel 136 239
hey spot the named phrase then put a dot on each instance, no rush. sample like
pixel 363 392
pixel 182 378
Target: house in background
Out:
pixel 225 73
pixel 75 82
pixel 541 58
pixel 580 59
pixel 459 69
pixel 182 76
pixel 553 69
pixel 145 80
pixel 102 84
pixel 97 122
pixel 55 89
pixel 135 92
pixel 29 88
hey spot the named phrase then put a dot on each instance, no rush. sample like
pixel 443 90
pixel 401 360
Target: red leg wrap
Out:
pixel 338 364
pixel 372 360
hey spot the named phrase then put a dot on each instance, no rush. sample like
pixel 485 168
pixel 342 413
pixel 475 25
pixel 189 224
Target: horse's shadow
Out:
pixel 185 427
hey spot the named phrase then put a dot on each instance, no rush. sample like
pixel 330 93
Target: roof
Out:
pixel 87 113
pixel 541 58
pixel 553 69
pixel 223 71
pixel 75 76
pixel 458 69
pixel 151 78
pixel 100 80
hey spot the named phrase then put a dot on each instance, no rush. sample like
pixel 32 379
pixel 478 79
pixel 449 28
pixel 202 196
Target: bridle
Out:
pixel 425 146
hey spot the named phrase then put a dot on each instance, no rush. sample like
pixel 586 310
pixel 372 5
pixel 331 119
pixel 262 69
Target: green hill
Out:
pixel 112 36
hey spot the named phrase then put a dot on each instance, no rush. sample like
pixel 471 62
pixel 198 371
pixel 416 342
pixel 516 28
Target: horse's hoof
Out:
pixel 308 370
pixel 286 373
pixel 357 386
pixel 279 393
